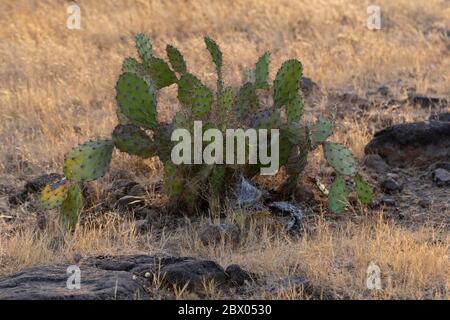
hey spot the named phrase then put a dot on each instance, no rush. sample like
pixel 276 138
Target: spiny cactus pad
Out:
pixel 133 140
pixel 137 100
pixel 321 131
pixel 88 161
pixel 226 102
pixel 215 52
pixel 53 195
pixel 186 86
pixel 173 180
pixel 132 65
pixel 202 100
pixel 294 109
pixel 71 207
pixel 287 82
pixel 363 189
pixel 262 71
pixel 176 59
pixel 246 100
pixel 160 72
pixel 337 196
pixel 340 158
pixel 144 47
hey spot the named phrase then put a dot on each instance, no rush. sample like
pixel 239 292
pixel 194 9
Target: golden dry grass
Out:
pixel 53 79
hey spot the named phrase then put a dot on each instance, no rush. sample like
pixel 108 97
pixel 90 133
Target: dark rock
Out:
pixel 384 91
pixel 18 198
pixel 390 186
pixel 77 257
pixel 427 101
pixel 443 165
pixel 193 273
pixel 115 277
pixel 215 233
pixel 308 86
pixel 441 177
pixel 375 162
pixel 237 275
pixel 445 117
pixel 408 144
pixel 50 283
pixel 289 209
pixel 41 222
pixel 387 201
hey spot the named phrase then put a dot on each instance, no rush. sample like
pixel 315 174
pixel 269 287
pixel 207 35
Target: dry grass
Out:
pixel 54 79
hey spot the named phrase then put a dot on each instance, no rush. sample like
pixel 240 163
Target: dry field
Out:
pixel 57 90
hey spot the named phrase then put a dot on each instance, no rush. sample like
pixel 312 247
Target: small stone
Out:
pixel 77 257
pixel 41 222
pixel 237 275
pixel 376 162
pixel 390 186
pixel 387 201
pixel 441 177
pixel 214 233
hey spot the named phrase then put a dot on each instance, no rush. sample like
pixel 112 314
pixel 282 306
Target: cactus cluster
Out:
pixel 139 133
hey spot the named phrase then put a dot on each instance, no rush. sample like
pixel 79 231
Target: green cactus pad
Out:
pixel 132 65
pixel 163 141
pixel 137 100
pixel 337 196
pixel 176 59
pixel 226 102
pixel 71 207
pixel 133 140
pixel 53 195
pixel 363 189
pixel 287 82
pixel 262 71
pixel 186 85
pixel 294 109
pixel 160 72
pixel 215 52
pixel 88 161
pixel 340 158
pixel 202 100
pixel 144 47
pixel 321 131
pixel 246 100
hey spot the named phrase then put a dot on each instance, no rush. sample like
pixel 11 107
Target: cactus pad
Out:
pixel 133 140
pixel 363 190
pixel 176 59
pixel 160 72
pixel 337 196
pixel 163 141
pixel 321 131
pixel 53 195
pixel 246 100
pixel 132 65
pixel 217 180
pixel 262 71
pixel 137 100
pixel 144 47
pixel 226 102
pixel 186 85
pixel 215 52
pixel 88 161
pixel 173 180
pixel 71 207
pixel 340 158
pixel 202 100
pixel 287 82
pixel 294 109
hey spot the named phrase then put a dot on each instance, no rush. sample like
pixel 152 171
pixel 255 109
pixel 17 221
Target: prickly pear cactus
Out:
pixel 133 140
pixel 187 186
pixel 53 195
pixel 337 197
pixel 340 158
pixel 71 207
pixel 137 100
pixel 88 161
